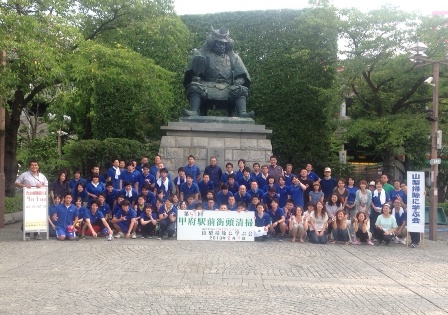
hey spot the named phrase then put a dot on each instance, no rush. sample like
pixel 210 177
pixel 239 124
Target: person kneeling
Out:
pixel 385 226
pixel 361 227
pixel 340 228
pixel 124 221
pixel 95 219
pixel 318 222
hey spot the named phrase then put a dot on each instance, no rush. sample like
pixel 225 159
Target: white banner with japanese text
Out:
pixel 35 209
pixel 229 226
pixel 416 202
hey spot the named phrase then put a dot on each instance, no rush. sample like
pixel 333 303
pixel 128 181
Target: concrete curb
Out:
pixel 13 217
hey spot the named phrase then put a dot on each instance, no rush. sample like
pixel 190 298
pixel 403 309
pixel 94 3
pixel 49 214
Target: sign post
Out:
pixel 35 210
pixel 416 204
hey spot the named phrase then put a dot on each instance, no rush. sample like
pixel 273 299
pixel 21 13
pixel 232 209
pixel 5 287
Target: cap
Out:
pixel 372 183
pixel 327 169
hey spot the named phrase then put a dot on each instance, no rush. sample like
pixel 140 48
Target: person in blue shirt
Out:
pixel 150 198
pixel 242 195
pixel 225 175
pixel 167 219
pixel 51 210
pixel 328 183
pixel 397 193
pixel 205 185
pixel 278 226
pixel 94 187
pixel 96 171
pixel 245 179
pixel 143 161
pixel 103 207
pixel 111 194
pixel 65 217
pixel 215 173
pixel 223 195
pixel 240 172
pixel 164 183
pixel 263 220
pixel 128 175
pixel 191 202
pixel 288 174
pixel 310 174
pixel 129 193
pixel 144 178
pixel 283 191
pixel 192 169
pixel 155 167
pixel 124 221
pixel 263 177
pixel 255 171
pixel 255 200
pixel 95 218
pixel 254 190
pixel 113 174
pixel 76 179
pixel 179 179
pixel 297 190
pixel 79 192
pixel 148 221
pixel 210 205
pixel 231 203
pixel 269 196
pixel 232 184
pixel 117 204
pixel 189 188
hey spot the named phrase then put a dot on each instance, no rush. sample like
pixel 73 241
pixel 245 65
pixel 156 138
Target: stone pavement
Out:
pixel 145 276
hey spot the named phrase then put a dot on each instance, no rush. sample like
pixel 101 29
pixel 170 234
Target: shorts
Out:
pixel 124 227
pixel 63 231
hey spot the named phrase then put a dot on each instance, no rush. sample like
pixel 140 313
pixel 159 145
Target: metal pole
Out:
pixel 433 198
pixel 2 151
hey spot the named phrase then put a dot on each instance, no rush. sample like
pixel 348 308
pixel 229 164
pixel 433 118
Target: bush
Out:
pixel 14 204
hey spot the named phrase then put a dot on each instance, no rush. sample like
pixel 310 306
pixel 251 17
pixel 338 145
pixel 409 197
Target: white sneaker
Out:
pixel 402 241
pixel 110 237
pixel 119 234
pixel 396 240
pixel 133 235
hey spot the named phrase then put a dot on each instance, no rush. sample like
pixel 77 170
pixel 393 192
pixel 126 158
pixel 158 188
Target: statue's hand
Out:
pixel 239 81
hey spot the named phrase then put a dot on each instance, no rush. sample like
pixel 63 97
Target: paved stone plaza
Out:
pixel 145 276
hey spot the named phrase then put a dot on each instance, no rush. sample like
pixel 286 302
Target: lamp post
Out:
pixel 60 133
pixel 419 56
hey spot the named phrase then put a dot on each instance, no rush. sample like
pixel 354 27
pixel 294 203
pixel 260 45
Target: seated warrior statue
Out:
pixel 217 76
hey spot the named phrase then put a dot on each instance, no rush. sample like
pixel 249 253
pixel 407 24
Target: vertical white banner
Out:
pixel 416 202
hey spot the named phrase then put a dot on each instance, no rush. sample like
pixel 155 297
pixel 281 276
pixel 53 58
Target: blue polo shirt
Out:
pixel 162 210
pixel 313 176
pixel 72 183
pixel 297 195
pixel 129 177
pixel 263 221
pixel 268 199
pixel 115 181
pixel 221 198
pixel 233 189
pixel 189 190
pixel 131 214
pixel 104 209
pixel 193 171
pixel 66 215
pixel 283 193
pixel 215 174
pixel 245 198
pixel 257 192
pixel 203 188
pixel 277 215
pixel 93 217
pixel 142 179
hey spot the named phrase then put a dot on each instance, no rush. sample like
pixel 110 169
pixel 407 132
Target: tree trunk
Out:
pixel 12 125
pixel 389 164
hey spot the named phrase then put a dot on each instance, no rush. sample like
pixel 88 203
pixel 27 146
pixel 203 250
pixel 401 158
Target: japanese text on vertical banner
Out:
pixel 416 202
pixel 229 226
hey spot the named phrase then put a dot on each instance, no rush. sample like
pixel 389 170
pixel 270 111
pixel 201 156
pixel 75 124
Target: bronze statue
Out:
pixel 217 76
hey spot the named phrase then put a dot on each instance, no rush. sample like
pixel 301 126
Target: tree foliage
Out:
pixel 62 53
pixel 387 90
pixel 291 57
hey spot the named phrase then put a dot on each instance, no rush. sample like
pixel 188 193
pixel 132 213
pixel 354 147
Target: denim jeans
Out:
pixel 341 235
pixel 312 236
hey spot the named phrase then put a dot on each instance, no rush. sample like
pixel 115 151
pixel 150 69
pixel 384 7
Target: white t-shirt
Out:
pixel 319 222
pixel 31 179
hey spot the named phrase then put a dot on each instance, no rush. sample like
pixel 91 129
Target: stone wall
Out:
pixel 228 140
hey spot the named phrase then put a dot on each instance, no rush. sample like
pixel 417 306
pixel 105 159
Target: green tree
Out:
pixel 45 41
pixel 387 91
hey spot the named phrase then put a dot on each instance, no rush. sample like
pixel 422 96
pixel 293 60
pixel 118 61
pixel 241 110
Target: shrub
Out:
pixel 14 204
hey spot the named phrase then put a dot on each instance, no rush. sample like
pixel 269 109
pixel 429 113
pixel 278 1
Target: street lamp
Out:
pixel 419 56
pixel 65 119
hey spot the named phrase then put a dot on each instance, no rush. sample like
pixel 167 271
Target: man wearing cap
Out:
pixel 216 74
pixel 327 183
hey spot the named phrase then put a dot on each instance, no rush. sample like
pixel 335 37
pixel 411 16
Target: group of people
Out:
pixel 142 199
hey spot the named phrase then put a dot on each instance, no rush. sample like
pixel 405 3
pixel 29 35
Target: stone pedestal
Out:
pixel 228 138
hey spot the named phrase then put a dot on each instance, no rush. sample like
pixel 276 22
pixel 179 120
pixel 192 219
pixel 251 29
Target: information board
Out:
pixel 35 210
pixel 208 225
pixel 416 202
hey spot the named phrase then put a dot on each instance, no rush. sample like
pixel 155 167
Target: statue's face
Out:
pixel 219 47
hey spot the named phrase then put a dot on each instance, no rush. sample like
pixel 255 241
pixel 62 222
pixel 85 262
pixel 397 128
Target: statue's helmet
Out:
pixel 221 35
